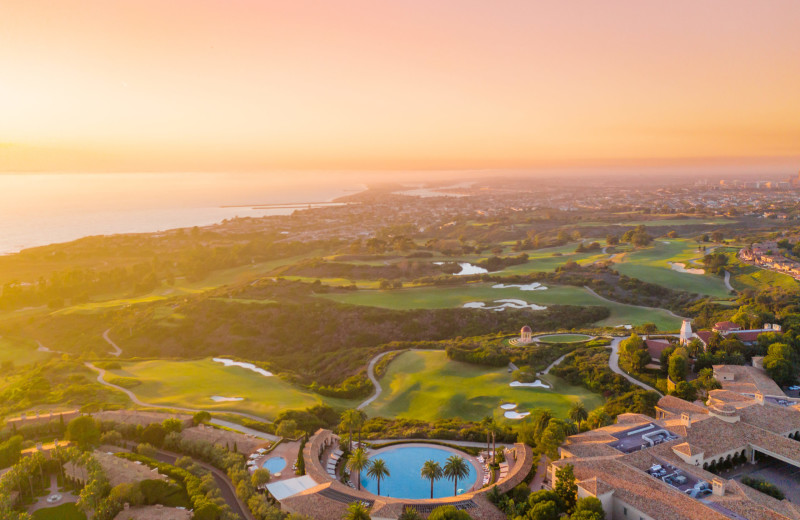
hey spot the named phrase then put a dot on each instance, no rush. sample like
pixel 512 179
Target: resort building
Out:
pixel 674 466
pixel 117 470
pixel 728 329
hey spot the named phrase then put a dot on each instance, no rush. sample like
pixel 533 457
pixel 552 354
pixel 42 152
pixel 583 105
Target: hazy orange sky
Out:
pixel 248 85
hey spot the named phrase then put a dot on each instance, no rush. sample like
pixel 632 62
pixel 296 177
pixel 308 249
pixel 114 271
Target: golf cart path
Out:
pixel 375 383
pixel 728 281
pixel 219 422
pixel 117 350
pixel 554 363
pixel 632 305
pixel 613 363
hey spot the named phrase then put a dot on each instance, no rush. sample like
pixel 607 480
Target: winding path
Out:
pixel 728 281
pixel 554 363
pixel 632 305
pixel 219 422
pixel 375 383
pixel 613 364
pixel 117 350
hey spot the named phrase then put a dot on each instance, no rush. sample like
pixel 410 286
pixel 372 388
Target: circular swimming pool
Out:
pixel 405 462
pixel 274 464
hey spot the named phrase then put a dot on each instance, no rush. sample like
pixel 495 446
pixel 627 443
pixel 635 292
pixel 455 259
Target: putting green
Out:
pixel 563 338
pixel 427 385
pixel 191 384
pixel 652 265
pixel 457 296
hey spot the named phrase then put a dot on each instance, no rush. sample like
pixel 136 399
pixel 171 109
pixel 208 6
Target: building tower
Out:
pixel 686 332
pixel 525 335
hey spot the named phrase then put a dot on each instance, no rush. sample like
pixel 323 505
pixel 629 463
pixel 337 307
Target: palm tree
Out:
pixel 358 460
pixel 359 417
pixel 348 422
pixel 454 469
pixel 357 511
pixel 488 423
pixel 378 470
pixel 578 412
pixel 432 471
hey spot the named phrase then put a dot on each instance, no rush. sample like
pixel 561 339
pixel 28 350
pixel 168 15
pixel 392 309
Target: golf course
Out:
pixel 192 384
pixel 427 385
pixel 457 296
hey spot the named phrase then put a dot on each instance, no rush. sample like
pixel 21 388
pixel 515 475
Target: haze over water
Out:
pixel 38 209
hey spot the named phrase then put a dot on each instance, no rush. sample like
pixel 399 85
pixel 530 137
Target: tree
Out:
pixel 552 437
pixel 448 513
pixel 358 461
pixel 678 366
pixel 349 421
pixel 633 353
pixel 378 470
pixel 409 513
pixel 778 364
pixel 686 391
pixel 454 469
pixel 83 431
pixel 577 412
pixel 154 434
pixel 260 477
pixel 566 488
pixel 588 508
pixel 201 418
pixel 547 510
pixel 432 471
pixel 172 425
pixel 357 511
pixel 287 429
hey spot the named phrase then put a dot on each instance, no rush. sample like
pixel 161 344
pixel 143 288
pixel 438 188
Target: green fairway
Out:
pixel 62 512
pixel 190 384
pixel 429 386
pixel 652 265
pixel 663 222
pixel 21 352
pixel 563 338
pixel 448 297
pixel 746 276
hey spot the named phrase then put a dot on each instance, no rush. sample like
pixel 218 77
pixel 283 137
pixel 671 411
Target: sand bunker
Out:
pixel 516 415
pixel 535 286
pixel 220 399
pixel 535 384
pixel 508 406
pixel 248 366
pixel 507 303
pixel 681 268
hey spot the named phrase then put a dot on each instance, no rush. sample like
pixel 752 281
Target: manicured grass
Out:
pixel 457 296
pixel 191 384
pixel 563 338
pixel 427 385
pixel 63 512
pixel 651 264
pixel 746 276
pixel 21 352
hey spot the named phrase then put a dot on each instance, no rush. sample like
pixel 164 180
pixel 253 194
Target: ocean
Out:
pixel 45 208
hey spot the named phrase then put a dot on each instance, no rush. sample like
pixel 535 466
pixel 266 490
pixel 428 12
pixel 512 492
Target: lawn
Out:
pixel 190 384
pixel 62 512
pixel 20 352
pixel 457 296
pixel 651 265
pixel 563 338
pixel 663 222
pixel 746 276
pixel 427 385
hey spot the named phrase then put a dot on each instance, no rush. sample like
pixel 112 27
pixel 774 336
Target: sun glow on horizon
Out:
pixel 146 85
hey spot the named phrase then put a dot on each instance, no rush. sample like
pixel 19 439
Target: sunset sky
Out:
pixel 185 85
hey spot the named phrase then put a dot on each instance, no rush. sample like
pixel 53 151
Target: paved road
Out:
pixel 728 281
pixel 117 350
pixel 223 483
pixel 613 363
pixel 632 305
pixel 554 363
pixel 541 471
pixel 219 422
pixel 371 375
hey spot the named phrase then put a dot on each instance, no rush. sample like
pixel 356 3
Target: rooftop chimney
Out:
pixel 686 420
pixel 760 398
pixel 718 487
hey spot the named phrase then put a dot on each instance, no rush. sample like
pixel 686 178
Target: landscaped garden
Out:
pixel 563 338
pixel 426 385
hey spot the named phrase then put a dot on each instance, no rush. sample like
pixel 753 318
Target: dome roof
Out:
pixel 526 329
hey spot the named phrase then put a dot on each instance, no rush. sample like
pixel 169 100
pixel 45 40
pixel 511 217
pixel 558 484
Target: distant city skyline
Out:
pixel 90 85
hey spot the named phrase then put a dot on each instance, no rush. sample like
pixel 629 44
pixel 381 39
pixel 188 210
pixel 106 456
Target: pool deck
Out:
pixel 289 451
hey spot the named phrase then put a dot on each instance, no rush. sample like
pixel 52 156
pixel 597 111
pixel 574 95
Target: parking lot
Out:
pixel 785 476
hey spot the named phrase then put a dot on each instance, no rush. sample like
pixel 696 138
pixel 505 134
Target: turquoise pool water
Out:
pixel 275 464
pixel 405 463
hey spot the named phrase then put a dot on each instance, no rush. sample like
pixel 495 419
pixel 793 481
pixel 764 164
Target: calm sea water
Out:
pixel 39 209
